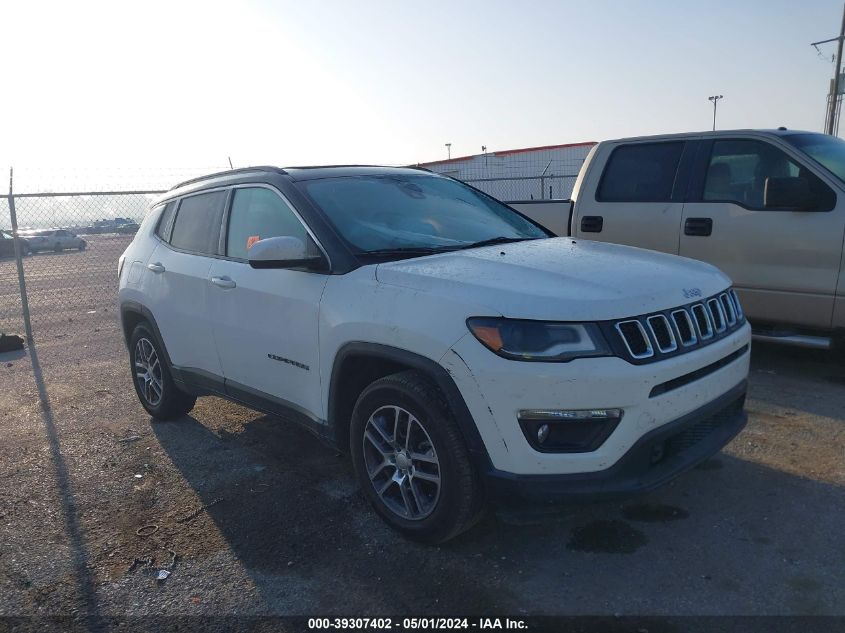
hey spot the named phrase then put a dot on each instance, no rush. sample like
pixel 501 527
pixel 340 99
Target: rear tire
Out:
pixel 151 376
pixel 58 248
pixel 411 460
pixel 82 246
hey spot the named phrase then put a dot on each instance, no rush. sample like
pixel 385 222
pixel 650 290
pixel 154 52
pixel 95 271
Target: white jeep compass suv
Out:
pixel 460 353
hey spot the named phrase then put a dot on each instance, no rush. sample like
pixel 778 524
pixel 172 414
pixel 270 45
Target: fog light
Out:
pixel 568 430
pixel 542 433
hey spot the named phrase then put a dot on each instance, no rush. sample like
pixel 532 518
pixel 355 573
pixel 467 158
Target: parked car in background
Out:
pixel 457 351
pixel 127 228
pixel 7 245
pixel 122 226
pixel 53 240
pixel 765 206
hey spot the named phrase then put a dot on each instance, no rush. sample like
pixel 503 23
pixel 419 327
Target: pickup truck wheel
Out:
pixel 411 460
pixel 154 385
pixel 82 245
pixel 57 247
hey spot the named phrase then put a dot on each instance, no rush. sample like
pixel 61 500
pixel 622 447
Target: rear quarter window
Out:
pixel 642 172
pixel 165 222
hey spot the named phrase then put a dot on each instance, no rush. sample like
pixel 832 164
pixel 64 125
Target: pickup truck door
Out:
pixel 784 263
pixel 633 194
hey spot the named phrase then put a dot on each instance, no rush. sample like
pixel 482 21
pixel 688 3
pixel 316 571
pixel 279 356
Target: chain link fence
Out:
pixel 545 173
pixel 551 187
pixel 70 238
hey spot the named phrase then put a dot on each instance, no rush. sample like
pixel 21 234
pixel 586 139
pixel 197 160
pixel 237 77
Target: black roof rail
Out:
pixel 228 172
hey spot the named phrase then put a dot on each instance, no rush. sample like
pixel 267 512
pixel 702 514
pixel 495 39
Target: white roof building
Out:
pixel 532 173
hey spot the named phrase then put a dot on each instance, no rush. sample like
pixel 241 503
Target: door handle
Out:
pixel 156 267
pixel 592 224
pixel 223 282
pixel 701 227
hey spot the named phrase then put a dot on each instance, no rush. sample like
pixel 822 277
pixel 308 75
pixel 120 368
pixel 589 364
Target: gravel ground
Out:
pixel 253 516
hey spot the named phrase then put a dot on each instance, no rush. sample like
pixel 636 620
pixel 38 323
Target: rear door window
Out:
pixel 197 225
pixel 643 172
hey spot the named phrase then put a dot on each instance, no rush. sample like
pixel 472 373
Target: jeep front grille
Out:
pixel 652 337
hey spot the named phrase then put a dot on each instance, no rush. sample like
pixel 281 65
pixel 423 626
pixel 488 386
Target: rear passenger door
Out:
pixel 266 320
pixel 638 196
pixel 175 281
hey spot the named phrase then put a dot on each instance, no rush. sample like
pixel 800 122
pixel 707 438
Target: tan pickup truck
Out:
pixel 765 206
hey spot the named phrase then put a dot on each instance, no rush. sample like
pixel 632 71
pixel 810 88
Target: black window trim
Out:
pixel 702 164
pixel 678 190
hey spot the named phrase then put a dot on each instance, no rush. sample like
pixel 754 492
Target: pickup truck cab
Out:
pixel 767 207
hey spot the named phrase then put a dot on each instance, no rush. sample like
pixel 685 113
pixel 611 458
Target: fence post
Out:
pixel 19 260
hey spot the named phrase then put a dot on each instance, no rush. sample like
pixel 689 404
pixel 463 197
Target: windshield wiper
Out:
pixel 409 250
pixel 497 240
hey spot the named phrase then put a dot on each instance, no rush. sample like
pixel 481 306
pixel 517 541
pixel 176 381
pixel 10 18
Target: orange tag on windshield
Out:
pixel 252 239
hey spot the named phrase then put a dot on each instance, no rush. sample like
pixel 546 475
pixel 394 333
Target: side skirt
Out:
pixel 201 383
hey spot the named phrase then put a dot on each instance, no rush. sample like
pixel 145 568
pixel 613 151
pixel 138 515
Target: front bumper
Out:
pixel 656 458
pixel 495 390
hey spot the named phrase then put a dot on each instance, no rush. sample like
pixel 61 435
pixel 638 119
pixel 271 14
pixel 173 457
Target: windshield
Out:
pixel 409 211
pixel 829 151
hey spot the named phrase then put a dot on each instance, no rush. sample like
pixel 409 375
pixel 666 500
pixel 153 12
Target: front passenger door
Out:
pixel 266 320
pixel 784 263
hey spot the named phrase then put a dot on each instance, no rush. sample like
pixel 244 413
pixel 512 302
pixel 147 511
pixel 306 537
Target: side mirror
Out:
pixel 791 193
pixel 283 252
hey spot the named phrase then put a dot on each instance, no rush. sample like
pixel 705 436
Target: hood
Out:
pixel 560 279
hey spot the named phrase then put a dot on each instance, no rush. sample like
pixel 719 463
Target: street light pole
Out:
pixel 449 150
pixel 715 100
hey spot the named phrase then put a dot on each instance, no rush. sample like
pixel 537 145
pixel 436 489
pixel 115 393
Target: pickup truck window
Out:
pixel 642 172
pixel 738 170
pixel 828 151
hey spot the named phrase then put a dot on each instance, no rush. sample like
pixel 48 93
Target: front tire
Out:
pixel 151 376
pixel 411 460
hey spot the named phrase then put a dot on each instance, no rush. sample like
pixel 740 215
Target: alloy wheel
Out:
pixel 148 371
pixel 402 463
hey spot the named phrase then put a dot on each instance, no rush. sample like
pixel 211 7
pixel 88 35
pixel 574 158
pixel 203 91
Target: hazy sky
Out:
pixel 188 83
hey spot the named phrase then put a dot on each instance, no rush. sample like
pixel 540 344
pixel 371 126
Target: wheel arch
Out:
pixel 131 314
pixel 358 364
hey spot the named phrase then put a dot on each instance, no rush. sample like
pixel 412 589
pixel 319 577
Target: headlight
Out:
pixel 539 340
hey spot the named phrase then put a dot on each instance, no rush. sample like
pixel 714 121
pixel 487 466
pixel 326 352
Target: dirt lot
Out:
pixel 253 516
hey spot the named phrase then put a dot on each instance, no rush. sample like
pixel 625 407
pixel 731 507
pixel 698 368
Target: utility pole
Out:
pixel 449 150
pixel 834 88
pixel 715 100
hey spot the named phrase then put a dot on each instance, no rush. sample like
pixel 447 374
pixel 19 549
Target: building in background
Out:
pixel 533 173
